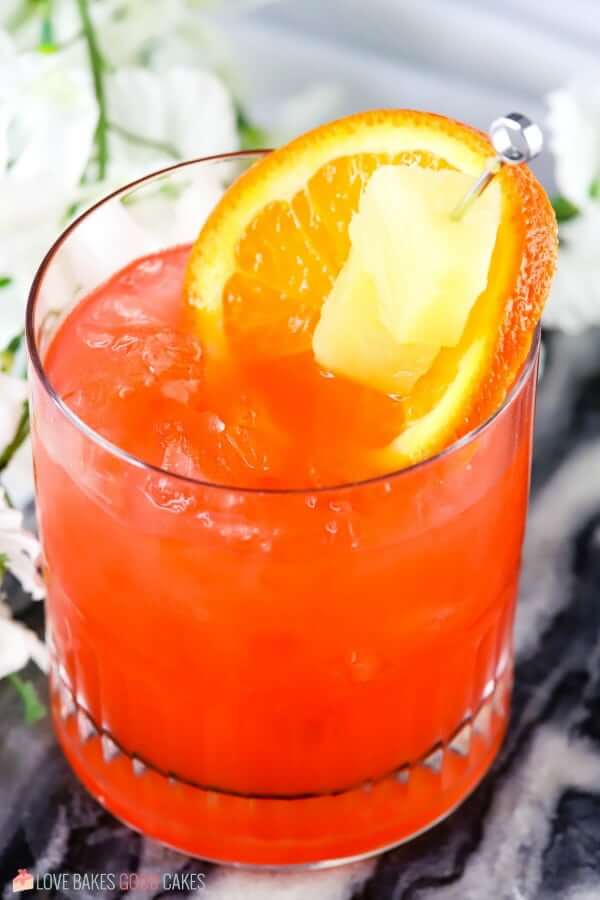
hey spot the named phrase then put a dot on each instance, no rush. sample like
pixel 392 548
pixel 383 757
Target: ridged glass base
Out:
pixel 280 830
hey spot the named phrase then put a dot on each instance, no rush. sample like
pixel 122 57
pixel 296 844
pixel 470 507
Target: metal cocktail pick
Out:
pixel 516 139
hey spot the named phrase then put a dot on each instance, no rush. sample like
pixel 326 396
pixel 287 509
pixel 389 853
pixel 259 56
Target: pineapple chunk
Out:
pixel 411 278
pixel 351 340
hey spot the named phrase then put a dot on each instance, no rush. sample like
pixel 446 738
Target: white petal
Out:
pixel 195 204
pixel 184 107
pixel 18 476
pixel 137 102
pixel 124 38
pixel 201 117
pixel 574 302
pixel 15 647
pixel 19 543
pixel 11 519
pixel 7 55
pixel 25 573
pixel 8 11
pixel 574 123
pixel 55 112
pixel 12 307
pixel 20 549
pixel 19 259
pixel 38 652
pixel 13 393
pixel 47 120
pixel 23 568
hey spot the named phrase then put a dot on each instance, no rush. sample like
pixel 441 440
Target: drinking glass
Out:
pixel 279 677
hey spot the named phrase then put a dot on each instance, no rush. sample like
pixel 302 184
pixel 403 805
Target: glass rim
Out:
pixel 131 459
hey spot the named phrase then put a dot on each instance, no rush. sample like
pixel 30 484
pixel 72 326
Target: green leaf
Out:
pixel 252 137
pixel 7 356
pixel 72 210
pixel 20 435
pixel 97 70
pixel 5 280
pixel 14 344
pixel 564 209
pixel 595 189
pixel 33 708
pixel 47 44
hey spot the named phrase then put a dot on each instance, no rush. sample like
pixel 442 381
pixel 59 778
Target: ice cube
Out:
pixel 114 312
pixel 179 455
pixel 239 440
pixel 128 357
pixel 169 351
pixel 181 390
pixel 168 494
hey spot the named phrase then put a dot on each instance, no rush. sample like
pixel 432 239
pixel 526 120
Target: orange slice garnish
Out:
pixel 280 247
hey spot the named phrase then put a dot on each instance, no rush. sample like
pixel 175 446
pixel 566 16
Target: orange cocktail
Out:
pixel 250 664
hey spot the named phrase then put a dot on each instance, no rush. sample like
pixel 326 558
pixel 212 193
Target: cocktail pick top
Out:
pixel 516 139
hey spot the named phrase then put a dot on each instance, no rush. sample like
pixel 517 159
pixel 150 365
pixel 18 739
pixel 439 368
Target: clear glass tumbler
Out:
pixel 268 676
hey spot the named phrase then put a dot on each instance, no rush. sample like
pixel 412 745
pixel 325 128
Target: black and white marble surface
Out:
pixel 531 831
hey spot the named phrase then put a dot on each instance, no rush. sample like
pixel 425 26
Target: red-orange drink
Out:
pixel 250 665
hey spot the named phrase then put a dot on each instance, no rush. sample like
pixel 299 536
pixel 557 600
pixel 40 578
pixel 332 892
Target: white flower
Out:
pixel 13 393
pixel 161 105
pixel 47 120
pixel 183 108
pixel 48 115
pixel 132 30
pixel 156 118
pixel 19 550
pixel 18 644
pixel 574 125
pixel 574 302
pixel 17 477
